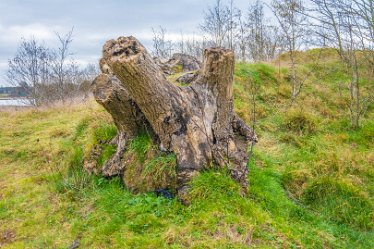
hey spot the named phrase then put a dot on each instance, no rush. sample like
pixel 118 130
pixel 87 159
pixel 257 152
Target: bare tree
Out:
pixel 257 31
pixel 217 23
pixel 232 25
pixel 162 48
pixel 348 27
pixel 195 46
pixel 241 37
pixel 272 42
pixel 90 72
pixel 292 30
pixel 362 16
pixel 63 68
pixel 47 75
pixel 30 68
pixel 181 44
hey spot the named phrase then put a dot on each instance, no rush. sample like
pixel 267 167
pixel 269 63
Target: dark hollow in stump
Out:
pixel 196 122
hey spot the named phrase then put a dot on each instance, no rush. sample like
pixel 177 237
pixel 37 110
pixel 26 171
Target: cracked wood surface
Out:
pixel 195 122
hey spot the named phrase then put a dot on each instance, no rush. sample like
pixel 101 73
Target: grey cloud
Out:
pixel 94 22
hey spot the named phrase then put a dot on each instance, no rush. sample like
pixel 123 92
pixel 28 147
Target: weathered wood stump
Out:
pixel 196 122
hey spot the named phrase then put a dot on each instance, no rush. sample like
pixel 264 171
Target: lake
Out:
pixel 14 102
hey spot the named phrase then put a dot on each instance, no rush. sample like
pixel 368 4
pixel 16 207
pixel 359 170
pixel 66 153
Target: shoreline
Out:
pixel 7 108
pixel 11 98
pixel 9 102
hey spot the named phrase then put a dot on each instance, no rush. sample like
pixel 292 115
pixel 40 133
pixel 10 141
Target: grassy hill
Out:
pixel 311 175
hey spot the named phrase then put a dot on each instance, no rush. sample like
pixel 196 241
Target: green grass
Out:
pixel 311 175
pixel 141 145
pixel 340 201
pixel 147 168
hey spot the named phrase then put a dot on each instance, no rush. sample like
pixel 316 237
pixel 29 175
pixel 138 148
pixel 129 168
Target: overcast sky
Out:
pixel 95 22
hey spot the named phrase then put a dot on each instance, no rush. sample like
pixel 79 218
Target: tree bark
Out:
pixel 195 122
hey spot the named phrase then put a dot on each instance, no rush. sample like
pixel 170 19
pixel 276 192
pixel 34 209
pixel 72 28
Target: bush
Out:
pixel 76 178
pixel 300 122
pixel 295 181
pixel 107 152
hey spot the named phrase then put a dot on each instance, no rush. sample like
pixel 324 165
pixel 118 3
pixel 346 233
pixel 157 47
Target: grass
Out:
pixel 147 168
pixel 311 176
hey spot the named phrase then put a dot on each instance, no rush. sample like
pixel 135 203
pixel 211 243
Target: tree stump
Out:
pixel 196 122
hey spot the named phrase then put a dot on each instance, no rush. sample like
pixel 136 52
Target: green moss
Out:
pixel 107 153
pixel 147 168
pixel 160 168
pixel 177 68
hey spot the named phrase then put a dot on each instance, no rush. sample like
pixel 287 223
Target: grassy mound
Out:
pixel 340 201
pixel 311 176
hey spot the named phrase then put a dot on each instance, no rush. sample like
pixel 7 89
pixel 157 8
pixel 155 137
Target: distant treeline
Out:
pixel 48 74
pixel 13 92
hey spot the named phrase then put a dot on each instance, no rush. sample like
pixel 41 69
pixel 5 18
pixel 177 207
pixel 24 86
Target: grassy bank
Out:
pixel 311 175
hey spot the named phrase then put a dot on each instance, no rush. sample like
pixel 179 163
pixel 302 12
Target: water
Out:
pixel 14 102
